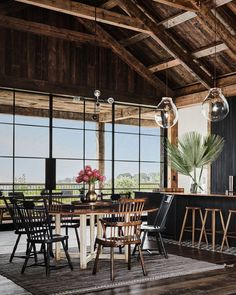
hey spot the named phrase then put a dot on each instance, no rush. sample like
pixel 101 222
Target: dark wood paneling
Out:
pixel 225 165
pixel 61 62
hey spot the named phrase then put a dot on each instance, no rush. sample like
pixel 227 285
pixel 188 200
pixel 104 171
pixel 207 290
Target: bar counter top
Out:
pixel 199 195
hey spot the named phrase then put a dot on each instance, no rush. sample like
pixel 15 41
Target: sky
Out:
pixel 33 141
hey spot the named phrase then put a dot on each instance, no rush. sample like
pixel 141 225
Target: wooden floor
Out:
pixel 218 282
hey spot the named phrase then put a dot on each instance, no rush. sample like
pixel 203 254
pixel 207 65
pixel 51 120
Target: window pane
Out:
pixel 6 140
pixel 150 148
pixel 126 175
pixel 91 144
pixel 6 174
pixel 149 175
pixel 108 145
pixel 6 103
pixel 31 120
pixel 67 143
pixel 148 123
pixel 130 123
pixel 72 111
pixel 67 170
pixel 32 141
pixel 29 171
pixel 5 118
pixel 126 147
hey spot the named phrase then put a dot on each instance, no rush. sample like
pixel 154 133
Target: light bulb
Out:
pixel 166 114
pixel 97 93
pixel 110 100
pixel 215 106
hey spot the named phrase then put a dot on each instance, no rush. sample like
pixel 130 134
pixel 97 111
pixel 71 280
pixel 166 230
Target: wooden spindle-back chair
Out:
pixel 122 228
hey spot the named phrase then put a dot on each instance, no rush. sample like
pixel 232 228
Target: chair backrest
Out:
pixel 16 195
pixel 124 223
pixel 35 220
pixel 160 220
pixel 16 219
pixel 54 201
pixel 115 197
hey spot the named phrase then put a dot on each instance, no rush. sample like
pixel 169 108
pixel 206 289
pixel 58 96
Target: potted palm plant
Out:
pixel 192 153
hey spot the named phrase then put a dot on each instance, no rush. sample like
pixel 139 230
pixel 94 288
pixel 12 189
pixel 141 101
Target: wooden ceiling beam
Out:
pixel 127 57
pixel 166 41
pixel 88 12
pixel 46 30
pixel 134 39
pixel 183 17
pixel 208 19
pixel 206 51
pixel 195 94
pixel 109 4
pixel 180 4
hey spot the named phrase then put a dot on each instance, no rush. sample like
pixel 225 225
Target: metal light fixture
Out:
pixel 215 106
pixel 97 92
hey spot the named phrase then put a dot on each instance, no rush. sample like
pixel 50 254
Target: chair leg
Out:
pixel 15 247
pixel 95 266
pixel 77 237
pixel 162 245
pixel 158 244
pixel 112 263
pixel 27 258
pixel 67 255
pixel 142 260
pixel 35 254
pixel 129 257
pixel 183 226
pixel 66 232
pixel 48 260
pixel 143 239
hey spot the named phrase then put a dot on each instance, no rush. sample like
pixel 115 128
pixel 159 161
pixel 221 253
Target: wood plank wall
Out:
pixel 41 63
pixel 225 165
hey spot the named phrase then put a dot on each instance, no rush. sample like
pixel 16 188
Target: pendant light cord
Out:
pixel 215 50
pixel 95 39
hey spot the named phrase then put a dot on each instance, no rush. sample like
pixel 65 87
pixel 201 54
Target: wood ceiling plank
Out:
pixel 134 39
pixel 208 19
pixel 180 4
pixel 109 4
pixel 127 57
pixel 166 41
pixel 46 30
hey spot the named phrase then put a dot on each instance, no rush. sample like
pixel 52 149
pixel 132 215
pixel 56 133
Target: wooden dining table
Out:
pixel 88 211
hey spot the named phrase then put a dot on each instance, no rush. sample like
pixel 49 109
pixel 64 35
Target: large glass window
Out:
pixel 79 133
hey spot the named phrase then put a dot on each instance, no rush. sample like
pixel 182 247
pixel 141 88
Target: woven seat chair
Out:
pixel 123 231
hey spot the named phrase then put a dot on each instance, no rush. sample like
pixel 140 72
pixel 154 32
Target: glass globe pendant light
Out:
pixel 166 114
pixel 215 106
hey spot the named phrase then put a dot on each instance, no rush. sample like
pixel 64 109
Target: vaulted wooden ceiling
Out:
pixel 177 46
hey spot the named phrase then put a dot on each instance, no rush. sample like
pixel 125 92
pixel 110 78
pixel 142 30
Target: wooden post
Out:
pixel 173 175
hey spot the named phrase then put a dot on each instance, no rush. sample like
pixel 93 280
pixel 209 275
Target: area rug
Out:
pixel 65 282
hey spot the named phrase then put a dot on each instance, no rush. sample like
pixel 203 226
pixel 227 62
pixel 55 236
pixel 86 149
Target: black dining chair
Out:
pixel 159 224
pixel 18 228
pixel 37 225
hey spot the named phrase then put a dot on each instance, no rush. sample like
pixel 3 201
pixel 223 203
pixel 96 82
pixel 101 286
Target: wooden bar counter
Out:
pixel 181 200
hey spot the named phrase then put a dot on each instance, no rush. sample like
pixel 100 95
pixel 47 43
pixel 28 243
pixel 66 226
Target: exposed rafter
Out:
pixel 207 19
pixel 167 42
pixel 197 54
pixel 46 30
pixel 134 39
pixel 181 4
pixel 109 4
pixel 127 57
pixel 88 12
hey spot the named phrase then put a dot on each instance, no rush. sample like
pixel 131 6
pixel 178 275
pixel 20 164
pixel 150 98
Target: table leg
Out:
pixel 92 235
pixel 99 226
pixel 83 244
pixel 58 232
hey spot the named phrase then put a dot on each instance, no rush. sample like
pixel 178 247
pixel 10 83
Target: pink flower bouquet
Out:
pixel 90 176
